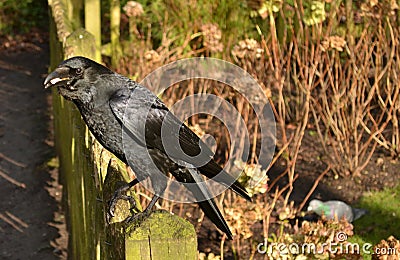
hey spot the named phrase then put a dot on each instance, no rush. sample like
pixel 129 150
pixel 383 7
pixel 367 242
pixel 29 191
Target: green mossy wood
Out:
pixel 161 236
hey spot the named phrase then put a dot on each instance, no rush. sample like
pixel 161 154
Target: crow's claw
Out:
pixel 119 195
pixel 114 200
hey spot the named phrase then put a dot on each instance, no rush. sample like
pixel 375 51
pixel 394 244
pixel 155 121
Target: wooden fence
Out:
pixel 88 173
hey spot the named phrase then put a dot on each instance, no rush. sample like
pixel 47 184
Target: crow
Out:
pixel 112 104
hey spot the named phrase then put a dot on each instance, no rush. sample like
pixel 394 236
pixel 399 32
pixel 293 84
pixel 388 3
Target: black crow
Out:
pixel 111 103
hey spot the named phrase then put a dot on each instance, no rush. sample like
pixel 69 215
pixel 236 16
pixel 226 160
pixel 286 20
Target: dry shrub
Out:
pixel 387 249
pixel 347 91
pixel 356 97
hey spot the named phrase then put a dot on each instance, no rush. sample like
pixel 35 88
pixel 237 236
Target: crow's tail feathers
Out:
pixel 212 212
pixel 206 201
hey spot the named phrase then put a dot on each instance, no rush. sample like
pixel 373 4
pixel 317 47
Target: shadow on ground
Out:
pixel 27 209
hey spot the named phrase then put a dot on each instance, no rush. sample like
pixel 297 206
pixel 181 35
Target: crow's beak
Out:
pixel 58 77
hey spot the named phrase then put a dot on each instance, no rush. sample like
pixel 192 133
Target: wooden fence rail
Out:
pixel 88 173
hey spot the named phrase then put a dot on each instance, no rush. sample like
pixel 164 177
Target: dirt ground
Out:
pixel 31 226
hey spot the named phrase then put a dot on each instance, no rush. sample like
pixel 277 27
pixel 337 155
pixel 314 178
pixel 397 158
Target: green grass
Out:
pixel 383 219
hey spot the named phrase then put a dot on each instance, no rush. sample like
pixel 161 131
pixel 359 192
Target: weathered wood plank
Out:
pixel 115 17
pixel 93 23
pixel 161 236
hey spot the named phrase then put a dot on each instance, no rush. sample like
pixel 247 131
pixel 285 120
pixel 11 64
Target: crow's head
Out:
pixel 76 77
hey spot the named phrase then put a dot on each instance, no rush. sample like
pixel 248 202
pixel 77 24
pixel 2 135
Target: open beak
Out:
pixel 58 77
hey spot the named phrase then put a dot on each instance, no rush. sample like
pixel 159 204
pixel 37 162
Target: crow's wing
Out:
pixel 134 106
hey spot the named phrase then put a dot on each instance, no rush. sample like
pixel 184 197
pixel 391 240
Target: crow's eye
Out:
pixel 79 71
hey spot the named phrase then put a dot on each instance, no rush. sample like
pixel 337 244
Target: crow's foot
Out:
pixel 120 195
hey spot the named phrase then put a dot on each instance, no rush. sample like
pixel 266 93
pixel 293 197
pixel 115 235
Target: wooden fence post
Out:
pixel 115 17
pixel 93 24
pixel 161 236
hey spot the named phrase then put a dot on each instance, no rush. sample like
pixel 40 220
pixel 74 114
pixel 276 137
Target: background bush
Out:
pixel 22 16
